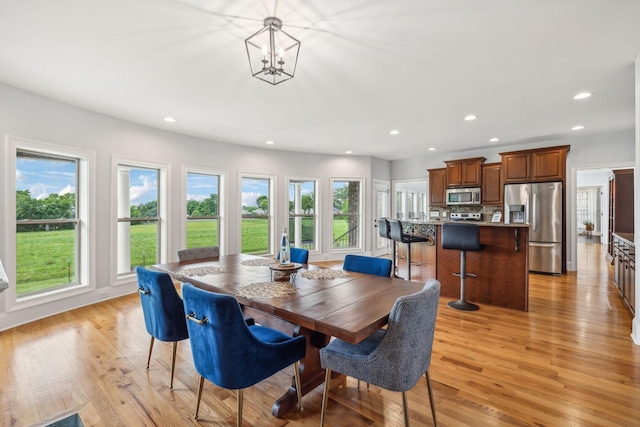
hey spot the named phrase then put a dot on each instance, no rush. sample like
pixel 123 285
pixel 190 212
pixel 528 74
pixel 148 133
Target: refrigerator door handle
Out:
pixel 542 245
pixel 534 209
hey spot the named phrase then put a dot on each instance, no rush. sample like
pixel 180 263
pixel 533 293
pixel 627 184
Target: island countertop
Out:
pixel 480 223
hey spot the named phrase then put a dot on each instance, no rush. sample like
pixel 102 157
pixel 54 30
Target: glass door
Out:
pixel 381 190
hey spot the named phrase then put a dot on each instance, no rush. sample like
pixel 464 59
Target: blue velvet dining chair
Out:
pixel 394 358
pixel 299 255
pixel 368 265
pixel 231 354
pixel 162 309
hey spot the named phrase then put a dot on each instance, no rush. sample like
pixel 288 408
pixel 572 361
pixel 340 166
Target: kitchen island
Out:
pixel 502 267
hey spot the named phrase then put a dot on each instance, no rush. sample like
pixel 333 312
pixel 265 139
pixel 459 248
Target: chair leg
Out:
pixel 325 395
pixel 296 367
pixel 150 348
pixel 405 408
pixel 409 261
pixel 199 396
pixel 173 362
pixel 433 405
pixel 239 404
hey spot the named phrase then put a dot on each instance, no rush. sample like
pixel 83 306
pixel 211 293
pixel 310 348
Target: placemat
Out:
pixel 265 290
pixel 258 262
pixel 201 271
pixel 328 273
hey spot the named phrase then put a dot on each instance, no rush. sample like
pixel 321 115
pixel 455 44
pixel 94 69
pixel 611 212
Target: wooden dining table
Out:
pixel 350 306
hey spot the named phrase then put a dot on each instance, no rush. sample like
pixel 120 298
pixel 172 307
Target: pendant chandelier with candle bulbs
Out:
pixel 273 54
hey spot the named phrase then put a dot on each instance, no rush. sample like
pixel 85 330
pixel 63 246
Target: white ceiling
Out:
pixel 365 67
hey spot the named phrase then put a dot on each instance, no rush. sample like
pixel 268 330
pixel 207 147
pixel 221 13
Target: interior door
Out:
pixel 382 209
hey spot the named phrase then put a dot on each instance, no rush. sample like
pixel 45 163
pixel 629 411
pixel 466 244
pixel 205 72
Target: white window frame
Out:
pixel 360 247
pixel 222 205
pixel 317 208
pixel 273 232
pixel 164 201
pixel 86 218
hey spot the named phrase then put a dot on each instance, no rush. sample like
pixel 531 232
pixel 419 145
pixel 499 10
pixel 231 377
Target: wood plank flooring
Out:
pixel 569 361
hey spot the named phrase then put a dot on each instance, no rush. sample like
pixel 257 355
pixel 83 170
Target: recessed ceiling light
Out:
pixel 270 142
pixel 578 127
pixel 348 152
pixel 394 132
pixel 582 95
pixel 471 117
pixel 494 140
pixel 169 120
pixel 432 148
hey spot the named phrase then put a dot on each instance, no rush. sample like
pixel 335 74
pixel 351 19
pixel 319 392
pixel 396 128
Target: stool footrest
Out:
pixel 466 275
pixel 463 305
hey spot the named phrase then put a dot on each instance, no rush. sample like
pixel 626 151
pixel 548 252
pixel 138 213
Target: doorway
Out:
pixel 589 214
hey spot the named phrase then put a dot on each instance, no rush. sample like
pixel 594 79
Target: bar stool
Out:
pixel 383 231
pixel 463 237
pixel 399 236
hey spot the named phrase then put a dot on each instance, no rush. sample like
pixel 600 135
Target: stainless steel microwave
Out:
pixel 463 196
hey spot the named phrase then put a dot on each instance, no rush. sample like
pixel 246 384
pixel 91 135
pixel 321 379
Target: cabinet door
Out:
pixel 548 165
pixel 516 167
pixel 437 186
pixel 491 184
pixel 454 174
pixel 471 173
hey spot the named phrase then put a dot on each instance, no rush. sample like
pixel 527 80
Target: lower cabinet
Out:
pixel 624 271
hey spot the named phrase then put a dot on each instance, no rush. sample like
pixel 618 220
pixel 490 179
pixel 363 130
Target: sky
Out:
pixel 43 177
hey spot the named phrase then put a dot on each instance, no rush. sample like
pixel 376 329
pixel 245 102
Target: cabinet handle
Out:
pixel 517 238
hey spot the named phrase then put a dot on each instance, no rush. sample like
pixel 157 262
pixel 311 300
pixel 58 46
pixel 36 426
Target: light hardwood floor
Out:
pixel 569 361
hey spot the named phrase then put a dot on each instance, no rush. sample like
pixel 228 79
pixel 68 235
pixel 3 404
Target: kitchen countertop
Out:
pixel 627 237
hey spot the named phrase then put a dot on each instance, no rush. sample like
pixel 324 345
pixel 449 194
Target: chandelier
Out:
pixel 273 54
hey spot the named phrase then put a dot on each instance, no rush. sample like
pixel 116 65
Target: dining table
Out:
pixel 319 303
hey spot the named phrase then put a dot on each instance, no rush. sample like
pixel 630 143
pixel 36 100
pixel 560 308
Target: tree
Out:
pixel 263 203
pixel 308 202
pixel 209 206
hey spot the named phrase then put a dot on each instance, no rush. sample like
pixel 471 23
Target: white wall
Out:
pixel 33 117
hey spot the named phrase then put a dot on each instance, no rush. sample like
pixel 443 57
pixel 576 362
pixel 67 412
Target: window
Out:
pixel 140 237
pixel 51 233
pixel 399 202
pixel 203 209
pixel 303 220
pixel 257 218
pixel 347 227
pixel 47 243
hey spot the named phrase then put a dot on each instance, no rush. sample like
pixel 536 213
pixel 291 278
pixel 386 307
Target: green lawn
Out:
pixel 47 259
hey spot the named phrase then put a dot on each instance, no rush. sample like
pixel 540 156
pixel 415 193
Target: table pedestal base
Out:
pixel 311 372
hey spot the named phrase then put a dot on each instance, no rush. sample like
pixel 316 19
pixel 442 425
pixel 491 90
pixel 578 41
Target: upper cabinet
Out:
pixel 464 172
pixel 437 186
pixel 539 165
pixel 492 184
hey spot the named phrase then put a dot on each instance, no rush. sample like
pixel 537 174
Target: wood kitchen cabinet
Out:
pixel 437 187
pixel 624 272
pixel 492 184
pixel 538 165
pixel 464 172
pixel 621 196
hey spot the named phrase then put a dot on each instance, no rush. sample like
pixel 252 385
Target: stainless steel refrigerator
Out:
pixel 540 206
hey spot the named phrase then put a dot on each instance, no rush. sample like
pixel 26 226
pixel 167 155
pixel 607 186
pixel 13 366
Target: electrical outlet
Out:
pixel 444 214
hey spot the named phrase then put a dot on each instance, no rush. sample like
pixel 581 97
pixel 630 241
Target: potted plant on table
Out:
pixel 588 225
